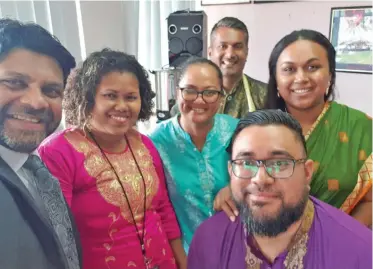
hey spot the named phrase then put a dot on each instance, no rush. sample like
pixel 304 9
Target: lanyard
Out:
pixel 141 238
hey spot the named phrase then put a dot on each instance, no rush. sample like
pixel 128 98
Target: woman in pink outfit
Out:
pixel 111 175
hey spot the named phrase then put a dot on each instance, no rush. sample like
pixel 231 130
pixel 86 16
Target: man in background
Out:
pixel 36 228
pixel 229 47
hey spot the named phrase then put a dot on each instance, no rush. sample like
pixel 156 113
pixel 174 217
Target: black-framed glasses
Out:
pixel 209 96
pixel 275 168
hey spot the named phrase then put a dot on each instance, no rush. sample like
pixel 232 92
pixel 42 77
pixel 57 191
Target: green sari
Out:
pixel 340 144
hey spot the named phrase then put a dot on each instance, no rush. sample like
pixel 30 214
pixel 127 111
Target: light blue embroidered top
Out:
pixel 195 176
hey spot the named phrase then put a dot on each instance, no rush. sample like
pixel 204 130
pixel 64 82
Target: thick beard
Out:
pixel 25 141
pixel 271 227
pixel 21 141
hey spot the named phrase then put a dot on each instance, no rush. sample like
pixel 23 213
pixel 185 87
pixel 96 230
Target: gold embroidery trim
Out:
pixel 107 183
pixel 325 109
pixel 363 185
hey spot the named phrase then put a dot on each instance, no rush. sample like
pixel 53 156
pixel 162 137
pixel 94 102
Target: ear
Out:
pixel 209 51
pixel 308 168
pixel 230 169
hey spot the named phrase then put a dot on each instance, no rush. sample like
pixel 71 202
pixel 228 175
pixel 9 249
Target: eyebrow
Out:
pixel 17 74
pixel 28 78
pixel 310 60
pixel 275 153
pixel 109 90
pixel 211 87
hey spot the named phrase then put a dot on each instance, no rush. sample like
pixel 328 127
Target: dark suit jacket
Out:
pixel 27 238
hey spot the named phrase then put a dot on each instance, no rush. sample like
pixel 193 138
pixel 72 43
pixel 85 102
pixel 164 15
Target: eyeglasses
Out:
pixel 209 96
pixel 275 168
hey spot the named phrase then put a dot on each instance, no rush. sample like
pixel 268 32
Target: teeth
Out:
pixel 26 118
pixel 228 64
pixel 121 119
pixel 301 90
pixel 198 110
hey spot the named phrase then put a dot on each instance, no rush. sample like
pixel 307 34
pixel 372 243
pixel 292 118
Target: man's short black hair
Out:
pixel 269 117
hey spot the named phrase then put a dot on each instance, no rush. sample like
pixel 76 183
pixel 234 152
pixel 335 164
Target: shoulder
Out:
pixel 254 81
pixel 147 141
pixel 162 129
pixel 352 114
pixel 225 121
pixel 217 224
pixel 334 222
pixel 55 139
pixel 60 141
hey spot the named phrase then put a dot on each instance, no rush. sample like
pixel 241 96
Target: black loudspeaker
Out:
pixel 187 36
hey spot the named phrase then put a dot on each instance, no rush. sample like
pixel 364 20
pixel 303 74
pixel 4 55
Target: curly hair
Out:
pixel 81 87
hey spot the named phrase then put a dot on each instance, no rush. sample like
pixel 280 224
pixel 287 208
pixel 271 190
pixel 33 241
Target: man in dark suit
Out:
pixel 36 227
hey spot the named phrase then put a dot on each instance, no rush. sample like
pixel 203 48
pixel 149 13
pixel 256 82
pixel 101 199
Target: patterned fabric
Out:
pixel 343 172
pixel 54 203
pixel 108 233
pixel 236 104
pixel 195 177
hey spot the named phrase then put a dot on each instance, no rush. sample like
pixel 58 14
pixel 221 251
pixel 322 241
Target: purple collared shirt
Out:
pixel 335 240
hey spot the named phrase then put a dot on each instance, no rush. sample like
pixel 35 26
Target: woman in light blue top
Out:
pixel 193 145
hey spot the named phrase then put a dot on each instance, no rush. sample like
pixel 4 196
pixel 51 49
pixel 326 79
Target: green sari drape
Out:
pixel 340 144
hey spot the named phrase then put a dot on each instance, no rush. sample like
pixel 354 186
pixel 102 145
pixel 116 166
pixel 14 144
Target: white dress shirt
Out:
pixel 16 160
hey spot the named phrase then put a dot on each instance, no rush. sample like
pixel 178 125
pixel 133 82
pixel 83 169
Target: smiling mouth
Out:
pixel 27 118
pixel 198 110
pixel 120 119
pixel 300 91
pixel 228 64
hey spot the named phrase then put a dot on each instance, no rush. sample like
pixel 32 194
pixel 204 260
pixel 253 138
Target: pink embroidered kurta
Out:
pixel 108 235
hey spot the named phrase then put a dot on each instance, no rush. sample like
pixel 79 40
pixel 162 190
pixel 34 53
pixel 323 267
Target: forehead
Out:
pixel 302 51
pixel 228 35
pixel 200 74
pixel 262 140
pixel 36 66
pixel 119 80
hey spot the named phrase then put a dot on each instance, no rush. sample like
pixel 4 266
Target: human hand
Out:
pixel 223 201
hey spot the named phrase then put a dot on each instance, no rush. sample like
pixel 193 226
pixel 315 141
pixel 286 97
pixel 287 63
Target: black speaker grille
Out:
pixel 187 35
pixel 194 45
pixel 175 45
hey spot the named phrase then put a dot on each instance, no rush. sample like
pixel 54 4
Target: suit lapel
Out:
pixel 36 217
pixel 11 179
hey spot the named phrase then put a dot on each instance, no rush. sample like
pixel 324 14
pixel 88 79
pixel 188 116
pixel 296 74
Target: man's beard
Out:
pixel 26 140
pixel 274 225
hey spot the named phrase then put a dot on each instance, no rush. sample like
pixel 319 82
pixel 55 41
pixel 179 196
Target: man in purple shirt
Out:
pixel 280 225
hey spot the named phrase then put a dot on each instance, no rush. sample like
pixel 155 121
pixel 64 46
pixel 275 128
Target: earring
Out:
pixel 88 123
pixel 327 89
pixel 278 95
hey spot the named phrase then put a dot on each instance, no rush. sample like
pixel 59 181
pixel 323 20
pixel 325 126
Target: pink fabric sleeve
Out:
pixel 55 154
pixel 163 206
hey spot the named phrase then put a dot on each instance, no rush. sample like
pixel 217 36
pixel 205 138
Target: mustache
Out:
pixel 45 115
pixel 257 190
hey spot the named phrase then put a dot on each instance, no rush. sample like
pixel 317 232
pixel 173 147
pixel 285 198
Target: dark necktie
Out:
pixel 49 190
